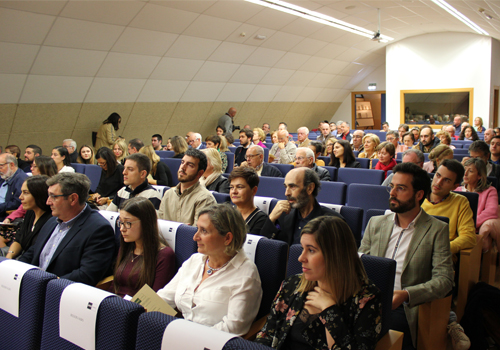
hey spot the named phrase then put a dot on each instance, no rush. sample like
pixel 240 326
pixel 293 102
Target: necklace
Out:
pixel 135 257
pixel 211 270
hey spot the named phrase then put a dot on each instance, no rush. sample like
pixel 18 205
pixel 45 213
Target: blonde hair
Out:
pixel 439 152
pixel 179 145
pixel 123 146
pixel 373 137
pixel 214 157
pixel 223 144
pixel 262 135
pixel 446 135
pixel 149 151
pixel 480 165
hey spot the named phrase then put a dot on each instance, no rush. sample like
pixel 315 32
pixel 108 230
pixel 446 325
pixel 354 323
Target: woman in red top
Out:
pixel 386 152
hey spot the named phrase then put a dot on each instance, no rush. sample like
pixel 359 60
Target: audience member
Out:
pixel 194 141
pixel 402 129
pixel 385 154
pixel 411 155
pixel 357 140
pixel 342 156
pixel 184 202
pixel 468 133
pixel 212 178
pixel 30 153
pixel 418 242
pixel 289 217
pixel 168 146
pixel 480 149
pixel 215 142
pixel 305 158
pixel 136 170
pixel 144 257
pixel 259 137
pixel 274 137
pixel 335 304
pixel 266 128
pixel 436 156
pixel 282 152
pixel 451 130
pixel 370 144
pixel 16 152
pixel 179 146
pixel 86 155
pixel 120 151
pixel 244 183
pixel 231 289
pixel 106 136
pixel 408 139
pixel 385 127
pixel 71 147
pixel 333 129
pixel 427 140
pixel 393 137
pixel 134 146
pixel 60 156
pixel 325 132
pixel 220 130
pixel 344 132
pixel 457 124
pixel 230 140
pixel 78 243
pixel 445 138
pixel 488 135
pixel 160 172
pixel 111 180
pixel 329 146
pixel 247 126
pixel 246 136
pixel 303 137
pixel 416 133
pixel 317 148
pixel 227 121
pixel 255 160
pixel 156 142
pixel 495 150
pixel 497 131
pixel 478 124
pixel 282 126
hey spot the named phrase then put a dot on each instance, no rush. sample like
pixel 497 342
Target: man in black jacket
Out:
pixel 427 140
pixel 255 159
pixel 305 158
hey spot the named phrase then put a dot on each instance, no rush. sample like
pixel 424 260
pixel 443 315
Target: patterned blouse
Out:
pixel 223 157
pixel 355 324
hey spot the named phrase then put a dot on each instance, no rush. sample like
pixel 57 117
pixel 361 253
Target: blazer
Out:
pixel 12 200
pixel 270 170
pixel 427 269
pixel 324 175
pixel 86 252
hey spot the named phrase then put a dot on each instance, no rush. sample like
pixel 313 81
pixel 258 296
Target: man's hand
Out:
pixel 281 145
pixel 280 208
pixel 399 297
pixel 464 159
pixel 244 164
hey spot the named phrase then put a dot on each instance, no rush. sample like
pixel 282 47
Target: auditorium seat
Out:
pixel 332 192
pixel 333 172
pixel 284 168
pixel 360 176
pixel 221 197
pixel 353 216
pixel 271 187
pixel 165 154
pixel 79 168
pixel 325 159
pixel 185 246
pixel 173 164
pixel 161 189
pixel 364 162
pixel 93 172
pixel 230 162
pixel 367 197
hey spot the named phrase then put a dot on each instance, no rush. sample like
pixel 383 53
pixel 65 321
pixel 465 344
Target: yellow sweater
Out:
pixel 457 209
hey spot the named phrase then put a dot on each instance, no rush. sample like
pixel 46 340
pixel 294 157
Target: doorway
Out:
pixel 368 109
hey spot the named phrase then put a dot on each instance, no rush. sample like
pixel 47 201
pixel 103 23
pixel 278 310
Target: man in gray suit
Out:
pixel 418 242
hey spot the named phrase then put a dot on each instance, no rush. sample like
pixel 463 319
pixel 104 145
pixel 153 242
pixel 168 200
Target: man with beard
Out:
pixel 289 216
pixel 184 202
pixel 30 153
pixel 427 140
pixel 10 184
pixel 246 136
pixel 418 242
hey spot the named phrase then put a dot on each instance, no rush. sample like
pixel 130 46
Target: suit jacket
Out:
pixel 269 170
pixel 324 175
pixel 12 200
pixel 86 252
pixel 427 269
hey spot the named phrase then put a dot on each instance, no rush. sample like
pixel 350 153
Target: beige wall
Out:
pixel 48 124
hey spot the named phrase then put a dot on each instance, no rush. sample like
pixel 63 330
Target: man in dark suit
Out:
pixel 246 137
pixel 255 159
pixel 77 243
pixel 289 216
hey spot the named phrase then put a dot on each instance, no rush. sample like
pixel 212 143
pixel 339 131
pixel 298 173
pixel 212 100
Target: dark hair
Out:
pixel 421 180
pixel 136 143
pixel 286 126
pixel 213 138
pixel 36 149
pixel 389 147
pixel 158 137
pixel 404 126
pixel 348 155
pixel 385 123
pixel 393 133
pixel 474 133
pixel 113 119
pixel 46 165
pixel 480 146
pixel 408 134
pixel 14 149
pixel 248 133
pixel 63 152
pixel 85 161
pixel 202 158
pixel 221 127
pixel 455 166
pixel 108 155
pixel 246 173
pixel 310 177
pixel 143 162
pixel 37 185
pixel 426 127
pixel 145 268
pixel 72 183
pixel 319 147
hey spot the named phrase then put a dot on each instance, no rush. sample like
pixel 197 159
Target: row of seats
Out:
pixel 92 171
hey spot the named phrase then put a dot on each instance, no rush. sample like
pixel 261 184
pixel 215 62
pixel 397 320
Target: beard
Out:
pixel 300 201
pixel 7 175
pixel 186 178
pixel 402 207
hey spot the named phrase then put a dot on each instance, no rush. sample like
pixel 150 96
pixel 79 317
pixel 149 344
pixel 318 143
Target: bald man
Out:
pixel 283 151
pixel 227 120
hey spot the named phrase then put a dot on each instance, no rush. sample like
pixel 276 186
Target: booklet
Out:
pixel 151 301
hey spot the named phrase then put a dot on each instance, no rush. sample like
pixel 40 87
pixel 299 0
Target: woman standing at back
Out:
pixel 106 135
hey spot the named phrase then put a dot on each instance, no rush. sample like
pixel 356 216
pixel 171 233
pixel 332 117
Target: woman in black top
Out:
pixel 343 156
pixel 111 176
pixel 244 182
pixel 34 194
pixel 160 172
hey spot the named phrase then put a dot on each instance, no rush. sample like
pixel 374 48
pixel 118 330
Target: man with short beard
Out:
pixel 418 242
pixel 10 184
pixel 289 216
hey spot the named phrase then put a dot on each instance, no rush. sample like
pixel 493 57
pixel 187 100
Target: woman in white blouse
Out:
pixel 61 157
pixel 219 286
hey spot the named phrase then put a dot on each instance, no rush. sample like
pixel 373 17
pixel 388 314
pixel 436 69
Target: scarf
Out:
pixel 387 167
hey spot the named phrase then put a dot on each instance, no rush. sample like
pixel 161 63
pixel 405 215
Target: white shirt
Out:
pixel 398 246
pixel 67 169
pixel 228 300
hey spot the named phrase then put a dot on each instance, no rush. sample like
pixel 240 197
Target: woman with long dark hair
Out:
pixel 343 156
pixel 144 257
pixel 111 177
pixel 106 135
pixel 60 155
pixel 468 133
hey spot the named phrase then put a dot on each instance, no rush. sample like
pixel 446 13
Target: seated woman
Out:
pixel 370 143
pixel 160 172
pixel 478 124
pixel 179 146
pixel 329 146
pixel 244 182
pixel 168 147
pixel 259 137
pixel 342 155
pixel 86 155
pixel 212 178
pixel 219 287
pixel 487 221
pixel 416 133
pixel 220 130
pixel 120 150
pixel 274 136
pixel 62 160
pixel 437 155
pixel 34 195
pixel 468 133
pixel 214 141
pixel 143 257
pixel 332 304
pixel 408 139
pixel 111 177
pixel 385 154
pixel 445 138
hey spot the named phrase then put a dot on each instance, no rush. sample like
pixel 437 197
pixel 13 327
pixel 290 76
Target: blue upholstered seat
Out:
pixel 185 246
pixel 93 172
pixel 360 176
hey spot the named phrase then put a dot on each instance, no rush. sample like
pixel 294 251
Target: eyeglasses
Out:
pixel 125 224
pixel 101 164
pixel 399 188
pixel 55 196
pixel 250 156
pixel 2 164
pixel 300 158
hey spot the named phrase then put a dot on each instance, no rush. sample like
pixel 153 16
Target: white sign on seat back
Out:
pixel 168 230
pixel 11 276
pixel 179 335
pixel 250 246
pixel 111 216
pixel 78 314
pixel 262 203
pixel 335 207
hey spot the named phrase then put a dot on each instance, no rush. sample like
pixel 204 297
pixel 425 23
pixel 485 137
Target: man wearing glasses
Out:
pixel 418 242
pixel 12 179
pixel 70 145
pixel 255 159
pixel 77 243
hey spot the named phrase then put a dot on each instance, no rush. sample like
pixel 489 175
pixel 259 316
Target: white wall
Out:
pixel 495 79
pixel 439 61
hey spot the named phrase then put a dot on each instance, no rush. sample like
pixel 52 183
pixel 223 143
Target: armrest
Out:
pixel 392 340
pixel 432 321
pixel 105 284
pixel 255 328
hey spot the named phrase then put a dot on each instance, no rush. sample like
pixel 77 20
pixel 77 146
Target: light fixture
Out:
pixel 372 86
pixel 458 15
pixel 486 15
pixel 318 17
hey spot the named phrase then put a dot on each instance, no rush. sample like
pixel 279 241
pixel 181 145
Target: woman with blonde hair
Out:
pixel 259 137
pixel 212 178
pixel 478 124
pixel 179 146
pixel 370 144
pixel 437 155
pixel 329 142
pixel 120 150
pixel 445 138
pixel 214 141
pixel 160 172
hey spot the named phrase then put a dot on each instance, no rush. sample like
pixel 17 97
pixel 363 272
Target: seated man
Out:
pixel 411 155
pixel 30 153
pixel 303 137
pixel 305 158
pixel 135 173
pixel 134 146
pixel 495 150
pixel 255 160
pixel 156 142
pixel 418 242
pixel 393 137
pixel 480 149
pixel 246 137
pixel 324 127
pixel 428 141
pixel 357 140
pixel 184 202
pixel 12 179
pixel 488 135
pixel 283 151
pixel 289 216
pixel 78 243
pixel 194 140
pixel 317 148
pixel 345 130
pixel 70 145
pixel 442 202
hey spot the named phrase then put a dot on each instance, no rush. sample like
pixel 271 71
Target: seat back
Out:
pixel 360 176
pixel 353 217
pixel 364 162
pixel 332 192
pixel 185 246
pixel 161 189
pixel 473 198
pixel 333 172
pixel 173 164
pixel 93 172
pixel 116 324
pixel 25 331
pixel 79 168
pixel 271 187
pixel 263 203
pixel 325 159
pixel 284 168
pixel 221 197
pixel 230 162
pixel 165 154
pixel 367 197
